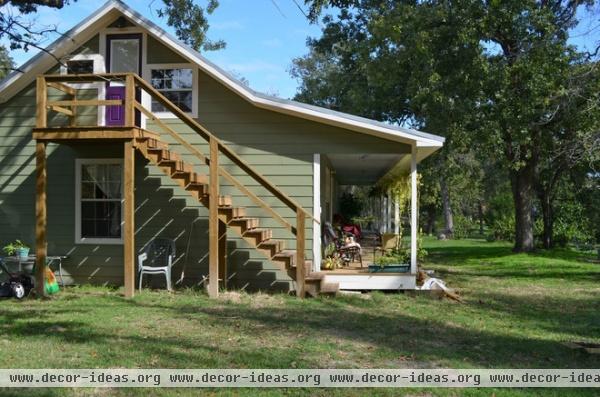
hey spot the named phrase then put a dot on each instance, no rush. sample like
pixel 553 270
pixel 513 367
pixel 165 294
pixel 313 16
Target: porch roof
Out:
pixel 362 168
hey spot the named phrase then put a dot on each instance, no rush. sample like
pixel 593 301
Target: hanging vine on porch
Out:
pixel 398 184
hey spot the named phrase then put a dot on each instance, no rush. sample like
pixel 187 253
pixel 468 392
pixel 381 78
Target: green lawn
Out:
pixel 517 311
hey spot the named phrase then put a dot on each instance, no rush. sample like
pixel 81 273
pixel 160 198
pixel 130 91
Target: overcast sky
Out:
pixel 263 36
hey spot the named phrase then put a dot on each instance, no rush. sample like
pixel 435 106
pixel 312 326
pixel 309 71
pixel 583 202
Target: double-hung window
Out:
pixel 177 84
pixel 99 201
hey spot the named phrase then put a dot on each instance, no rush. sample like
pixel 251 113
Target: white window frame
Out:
pixel 98 67
pixel 98 241
pixel 147 75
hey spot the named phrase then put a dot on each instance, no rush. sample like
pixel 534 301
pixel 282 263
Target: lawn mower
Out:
pixel 16 284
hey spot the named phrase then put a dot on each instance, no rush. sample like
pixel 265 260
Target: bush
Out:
pixel 503 228
pixel 462 225
pixel 571 225
pixel 350 206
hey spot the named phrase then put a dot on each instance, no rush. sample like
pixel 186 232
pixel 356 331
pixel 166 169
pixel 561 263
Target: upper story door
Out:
pixel 123 55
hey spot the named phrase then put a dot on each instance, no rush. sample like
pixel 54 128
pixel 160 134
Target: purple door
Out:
pixel 115 115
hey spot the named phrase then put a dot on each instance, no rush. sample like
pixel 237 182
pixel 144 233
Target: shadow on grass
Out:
pixel 459 251
pixel 429 341
pixel 569 315
pixel 453 253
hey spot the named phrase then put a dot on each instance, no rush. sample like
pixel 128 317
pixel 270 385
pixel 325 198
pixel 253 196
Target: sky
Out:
pixel 262 36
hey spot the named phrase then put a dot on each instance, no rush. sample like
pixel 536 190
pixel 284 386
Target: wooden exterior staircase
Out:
pixel 223 214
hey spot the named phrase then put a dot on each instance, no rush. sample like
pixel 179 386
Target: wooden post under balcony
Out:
pixel 129 220
pixel 73 117
pixel 223 253
pixel 300 247
pixel 41 91
pixel 41 245
pixel 213 220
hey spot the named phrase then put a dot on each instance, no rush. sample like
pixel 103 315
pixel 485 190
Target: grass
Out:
pixel 518 310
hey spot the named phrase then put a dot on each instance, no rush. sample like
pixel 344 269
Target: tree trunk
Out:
pixel 430 220
pixel 522 182
pixel 480 210
pixel 548 220
pixel 446 207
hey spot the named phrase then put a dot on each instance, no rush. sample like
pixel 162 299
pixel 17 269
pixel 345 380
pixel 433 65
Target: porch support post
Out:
pixel 383 221
pixel 396 217
pixel 129 220
pixel 389 211
pixel 213 220
pixel 316 247
pixel 414 225
pixel 223 253
pixel 300 247
pixel 41 244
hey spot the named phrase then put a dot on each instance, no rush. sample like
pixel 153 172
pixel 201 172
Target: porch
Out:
pixel 340 172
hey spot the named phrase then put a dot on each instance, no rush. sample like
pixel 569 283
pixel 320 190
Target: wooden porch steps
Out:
pixel 316 285
pixel 171 163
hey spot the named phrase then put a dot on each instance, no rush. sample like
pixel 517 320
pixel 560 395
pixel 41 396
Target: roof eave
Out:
pixel 353 123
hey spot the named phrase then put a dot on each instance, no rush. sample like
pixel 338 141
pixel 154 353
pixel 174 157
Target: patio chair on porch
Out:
pixel 157 258
pixel 346 246
pixel 389 243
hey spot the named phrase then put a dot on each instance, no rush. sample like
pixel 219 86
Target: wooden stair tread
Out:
pixel 248 223
pixel 329 288
pixel 234 212
pixel 259 230
pixel 315 276
pixel 287 253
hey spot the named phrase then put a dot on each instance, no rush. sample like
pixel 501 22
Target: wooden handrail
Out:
pixel 257 200
pixel 87 102
pixel 85 78
pixel 237 160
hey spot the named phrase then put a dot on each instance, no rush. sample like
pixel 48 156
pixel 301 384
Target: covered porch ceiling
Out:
pixel 364 169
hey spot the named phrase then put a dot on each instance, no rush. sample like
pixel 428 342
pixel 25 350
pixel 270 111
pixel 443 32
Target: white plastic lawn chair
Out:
pixel 157 258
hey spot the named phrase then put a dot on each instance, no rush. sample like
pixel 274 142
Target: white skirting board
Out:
pixel 372 282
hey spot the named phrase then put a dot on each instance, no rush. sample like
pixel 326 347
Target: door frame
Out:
pixel 109 37
pixel 121 36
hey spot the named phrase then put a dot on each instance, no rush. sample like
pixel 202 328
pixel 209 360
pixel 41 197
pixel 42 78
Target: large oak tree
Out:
pixel 502 71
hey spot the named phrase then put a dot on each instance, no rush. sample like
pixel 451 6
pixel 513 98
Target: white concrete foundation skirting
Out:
pixel 393 281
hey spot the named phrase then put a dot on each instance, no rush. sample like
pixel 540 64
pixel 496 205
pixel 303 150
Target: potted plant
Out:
pixel 332 259
pixel 392 263
pixel 17 248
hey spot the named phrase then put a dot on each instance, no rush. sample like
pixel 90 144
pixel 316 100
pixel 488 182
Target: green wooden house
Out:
pixel 133 135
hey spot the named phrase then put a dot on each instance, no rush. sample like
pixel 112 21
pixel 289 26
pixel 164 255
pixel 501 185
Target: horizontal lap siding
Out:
pixel 87 263
pixel 279 147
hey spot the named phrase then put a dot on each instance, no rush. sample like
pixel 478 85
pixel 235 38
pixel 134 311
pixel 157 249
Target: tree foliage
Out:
pixel 498 79
pixel 190 22
pixel 6 62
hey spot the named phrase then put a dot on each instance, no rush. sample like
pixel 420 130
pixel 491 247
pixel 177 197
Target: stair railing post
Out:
pixel 129 101
pixel 300 247
pixel 213 220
